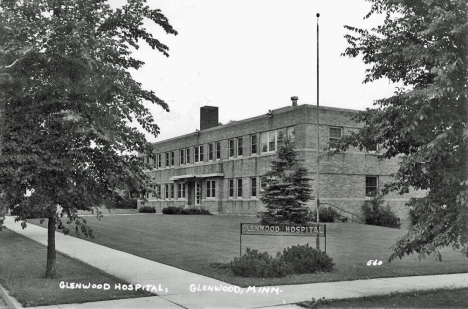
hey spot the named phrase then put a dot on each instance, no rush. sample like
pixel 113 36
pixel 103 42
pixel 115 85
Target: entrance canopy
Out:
pixel 193 176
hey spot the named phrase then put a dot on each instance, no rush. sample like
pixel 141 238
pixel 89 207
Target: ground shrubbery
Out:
pixel 376 214
pixel 327 214
pixel 295 260
pixel 147 209
pixel 172 210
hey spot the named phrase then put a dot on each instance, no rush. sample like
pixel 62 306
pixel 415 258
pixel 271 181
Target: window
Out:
pixel 167 159
pixel 187 155
pixel 279 137
pixel 210 189
pixel 231 187
pixel 253 143
pixel 253 186
pixel 166 189
pixel 181 191
pixel 196 155
pixel 172 190
pixel 372 185
pixel 172 157
pixel 239 188
pixel 197 193
pixel 158 192
pixel 218 150
pixel 159 160
pixel 271 140
pixel 239 146
pixel 210 151
pixel 291 134
pixel 231 148
pixel 334 135
pixel 181 157
pixel 263 186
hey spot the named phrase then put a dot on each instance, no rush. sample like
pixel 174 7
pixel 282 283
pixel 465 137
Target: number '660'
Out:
pixel 374 262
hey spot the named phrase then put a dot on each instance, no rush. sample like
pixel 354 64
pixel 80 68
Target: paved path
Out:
pixel 186 289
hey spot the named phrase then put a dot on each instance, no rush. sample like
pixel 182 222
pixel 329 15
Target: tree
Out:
pixel 422 46
pixel 67 102
pixel 287 189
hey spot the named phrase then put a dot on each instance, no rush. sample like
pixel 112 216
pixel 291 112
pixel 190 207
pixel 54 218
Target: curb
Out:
pixel 10 301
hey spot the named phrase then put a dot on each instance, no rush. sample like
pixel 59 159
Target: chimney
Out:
pixel 208 117
pixel 294 100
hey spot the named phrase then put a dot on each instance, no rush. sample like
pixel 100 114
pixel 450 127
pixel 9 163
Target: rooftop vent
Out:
pixel 294 100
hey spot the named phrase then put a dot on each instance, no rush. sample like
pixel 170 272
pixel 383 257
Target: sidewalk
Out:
pixel 188 290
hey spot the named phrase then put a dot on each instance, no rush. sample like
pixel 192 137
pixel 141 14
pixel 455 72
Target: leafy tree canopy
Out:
pixel 66 103
pixel 422 45
pixel 287 189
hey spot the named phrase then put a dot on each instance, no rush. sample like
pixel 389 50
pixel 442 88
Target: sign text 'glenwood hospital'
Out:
pixel 278 230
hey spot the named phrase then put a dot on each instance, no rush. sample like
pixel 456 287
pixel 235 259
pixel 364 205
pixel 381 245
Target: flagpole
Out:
pixel 318 138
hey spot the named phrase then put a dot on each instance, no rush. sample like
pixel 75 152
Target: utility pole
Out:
pixel 318 138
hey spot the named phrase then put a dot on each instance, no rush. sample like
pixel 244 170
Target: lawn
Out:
pixel 440 298
pixel 22 269
pixel 193 242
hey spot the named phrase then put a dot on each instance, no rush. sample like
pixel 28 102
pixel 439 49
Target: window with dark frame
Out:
pixel 210 152
pixel 172 190
pixel 210 189
pixel 196 154
pixel 182 157
pixel 372 185
pixel 231 187
pixel 187 155
pixel 201 152
pixel 253 186
pixel 166 191
pixel 172 158
pixel 218 150
pixel 334 135
pixel 159 160
pixel 239 146
pixel 231 148
pixel 253 144
pixel 167 159
pixel 197 193
pixel 239 188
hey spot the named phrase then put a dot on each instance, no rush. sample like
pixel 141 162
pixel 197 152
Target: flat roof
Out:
pixel 278 110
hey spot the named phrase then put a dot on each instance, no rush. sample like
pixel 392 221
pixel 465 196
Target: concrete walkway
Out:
pixel 183 289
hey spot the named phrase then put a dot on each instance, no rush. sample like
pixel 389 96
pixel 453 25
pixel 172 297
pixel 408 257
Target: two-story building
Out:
pixel 219 167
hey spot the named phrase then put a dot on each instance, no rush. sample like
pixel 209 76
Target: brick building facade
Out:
pixel 219 167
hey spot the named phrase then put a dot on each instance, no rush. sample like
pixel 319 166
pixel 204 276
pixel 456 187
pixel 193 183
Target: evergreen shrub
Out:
pixel 173 210
pixel 375 214
pixel 296 260
pixel 147 209
pixel 256 264
pixel 306 260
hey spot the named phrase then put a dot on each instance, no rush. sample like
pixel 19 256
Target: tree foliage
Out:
pixel 67 101
pixel 287 189
pixel 422 45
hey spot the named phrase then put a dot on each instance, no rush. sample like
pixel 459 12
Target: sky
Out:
pixel 248 57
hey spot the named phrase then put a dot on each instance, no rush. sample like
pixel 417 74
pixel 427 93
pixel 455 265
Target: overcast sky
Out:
pixel 247 57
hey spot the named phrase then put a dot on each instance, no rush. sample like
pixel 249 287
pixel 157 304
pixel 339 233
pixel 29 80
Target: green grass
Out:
pixel 193 242
pixel 22 269
pixel 440 298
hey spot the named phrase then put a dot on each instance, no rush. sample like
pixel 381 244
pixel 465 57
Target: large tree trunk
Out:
pixel 51 253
